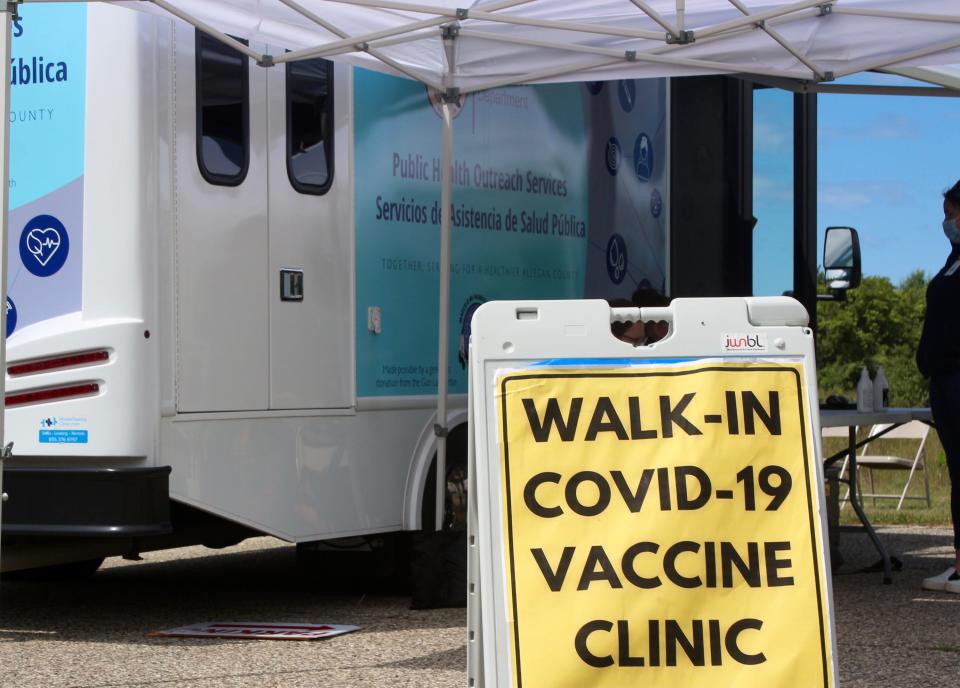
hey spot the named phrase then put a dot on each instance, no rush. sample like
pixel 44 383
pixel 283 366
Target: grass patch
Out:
pixel 947 648
pixel 914 511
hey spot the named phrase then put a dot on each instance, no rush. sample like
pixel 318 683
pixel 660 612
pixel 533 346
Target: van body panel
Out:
pixel 310 339
pixel 222 254
pixel 300 478
pixel 308 418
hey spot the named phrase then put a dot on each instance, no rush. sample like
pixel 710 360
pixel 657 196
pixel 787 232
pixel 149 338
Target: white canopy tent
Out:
pixel 498 42
pixel 947 76
pixel 459 48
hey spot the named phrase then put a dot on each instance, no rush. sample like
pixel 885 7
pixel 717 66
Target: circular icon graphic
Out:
pixel 611 156
pixel 643 158
pixel 44 245
pixel 616 258
pixel 11 316
pixel 436 102
pixel 627 93
pixel 594 87
pixel 466 322
pixel 656 203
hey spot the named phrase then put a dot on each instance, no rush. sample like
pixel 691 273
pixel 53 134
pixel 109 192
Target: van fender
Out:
pixel 423 456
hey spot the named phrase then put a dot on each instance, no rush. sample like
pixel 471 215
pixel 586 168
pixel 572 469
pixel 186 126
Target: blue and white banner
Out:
pixel 48 89
pixel 532 215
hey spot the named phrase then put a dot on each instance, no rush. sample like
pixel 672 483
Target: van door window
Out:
pixel 223 104
pixel 310 125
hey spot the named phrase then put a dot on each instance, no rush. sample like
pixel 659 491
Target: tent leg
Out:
pixel 8 10
pixel 444 328
pixel 805 202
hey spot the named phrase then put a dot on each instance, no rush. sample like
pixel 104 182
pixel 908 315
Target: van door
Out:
pixel 221 233
pixel 311 252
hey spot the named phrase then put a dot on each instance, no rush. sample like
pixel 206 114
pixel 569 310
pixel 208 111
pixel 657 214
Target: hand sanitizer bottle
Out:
pixel 881 391
pixel 864 392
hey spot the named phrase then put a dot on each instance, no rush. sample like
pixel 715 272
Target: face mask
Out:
pixel 950 229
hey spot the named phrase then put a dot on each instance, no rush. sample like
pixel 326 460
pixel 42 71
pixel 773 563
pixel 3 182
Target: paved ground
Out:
pixel 93 634
pixel 897 635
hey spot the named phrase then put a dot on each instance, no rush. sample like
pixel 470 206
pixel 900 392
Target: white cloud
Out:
pixel 768 137
pixel 767 189
pixel 762 184
pixel 859 194
pixel 887 126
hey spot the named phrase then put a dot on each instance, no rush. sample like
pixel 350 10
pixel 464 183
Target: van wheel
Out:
pixel 71 571
pixel 376 563
pixel 438 558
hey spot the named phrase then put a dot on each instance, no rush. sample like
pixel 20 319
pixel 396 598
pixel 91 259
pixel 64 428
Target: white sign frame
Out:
pixel 515 335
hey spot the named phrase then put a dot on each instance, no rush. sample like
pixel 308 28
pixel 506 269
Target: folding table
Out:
pixel 852 418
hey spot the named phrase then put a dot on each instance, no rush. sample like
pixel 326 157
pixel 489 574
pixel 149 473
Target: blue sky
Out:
pixel 884 162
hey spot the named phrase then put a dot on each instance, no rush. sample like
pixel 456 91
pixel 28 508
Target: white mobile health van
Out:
pixel 222 307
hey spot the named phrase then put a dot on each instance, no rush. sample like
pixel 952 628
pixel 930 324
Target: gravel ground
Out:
pixel 899 634
pixel 93 634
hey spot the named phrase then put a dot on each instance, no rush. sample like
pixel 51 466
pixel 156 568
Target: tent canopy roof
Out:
pixel 947 76
pixel 489 43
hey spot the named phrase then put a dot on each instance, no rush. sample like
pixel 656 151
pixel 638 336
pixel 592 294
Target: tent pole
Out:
pixel 6 37
pixel 805 202
pixel 440 427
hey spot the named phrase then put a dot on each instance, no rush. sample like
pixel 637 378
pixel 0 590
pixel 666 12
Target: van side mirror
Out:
pixel 841 259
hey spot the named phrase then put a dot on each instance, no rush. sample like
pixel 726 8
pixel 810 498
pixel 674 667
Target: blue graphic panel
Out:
pixel 47 90
pixel 540 210
pixel 628 180
pixel 47 118
pixel 519 218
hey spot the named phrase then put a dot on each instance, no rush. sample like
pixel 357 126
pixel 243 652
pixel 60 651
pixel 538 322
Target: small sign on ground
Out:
pixel 249 630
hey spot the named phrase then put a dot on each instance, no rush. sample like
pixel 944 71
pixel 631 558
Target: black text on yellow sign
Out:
pixel 661 528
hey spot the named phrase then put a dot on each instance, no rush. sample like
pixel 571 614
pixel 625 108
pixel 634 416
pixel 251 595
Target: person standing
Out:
pixel 938 358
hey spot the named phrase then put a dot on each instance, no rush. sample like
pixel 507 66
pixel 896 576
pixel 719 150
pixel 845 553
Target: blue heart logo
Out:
pixel 44 245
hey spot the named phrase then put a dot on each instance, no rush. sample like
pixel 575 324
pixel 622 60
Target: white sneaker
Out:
pixel 948 579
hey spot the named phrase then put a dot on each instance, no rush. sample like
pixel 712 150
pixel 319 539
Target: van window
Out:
pixel 310 125
pixel 223 106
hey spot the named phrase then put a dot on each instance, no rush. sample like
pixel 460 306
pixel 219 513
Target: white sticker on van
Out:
pixel 64 437
pixel 63 430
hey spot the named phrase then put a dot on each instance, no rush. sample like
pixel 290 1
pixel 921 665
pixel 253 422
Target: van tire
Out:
pixel 438 559
pixel 438 569
pixel 379 564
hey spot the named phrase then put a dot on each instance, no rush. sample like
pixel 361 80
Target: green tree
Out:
pixel 878 324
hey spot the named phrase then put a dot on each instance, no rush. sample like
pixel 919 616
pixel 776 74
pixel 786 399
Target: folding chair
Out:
pixel 914 430
pixel 844 432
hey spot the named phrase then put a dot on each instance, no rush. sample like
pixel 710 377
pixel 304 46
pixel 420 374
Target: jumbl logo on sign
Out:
pixel 660 527
pixel 744 342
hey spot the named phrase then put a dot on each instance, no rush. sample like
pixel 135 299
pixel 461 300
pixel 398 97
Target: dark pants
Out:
pixel 945 405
